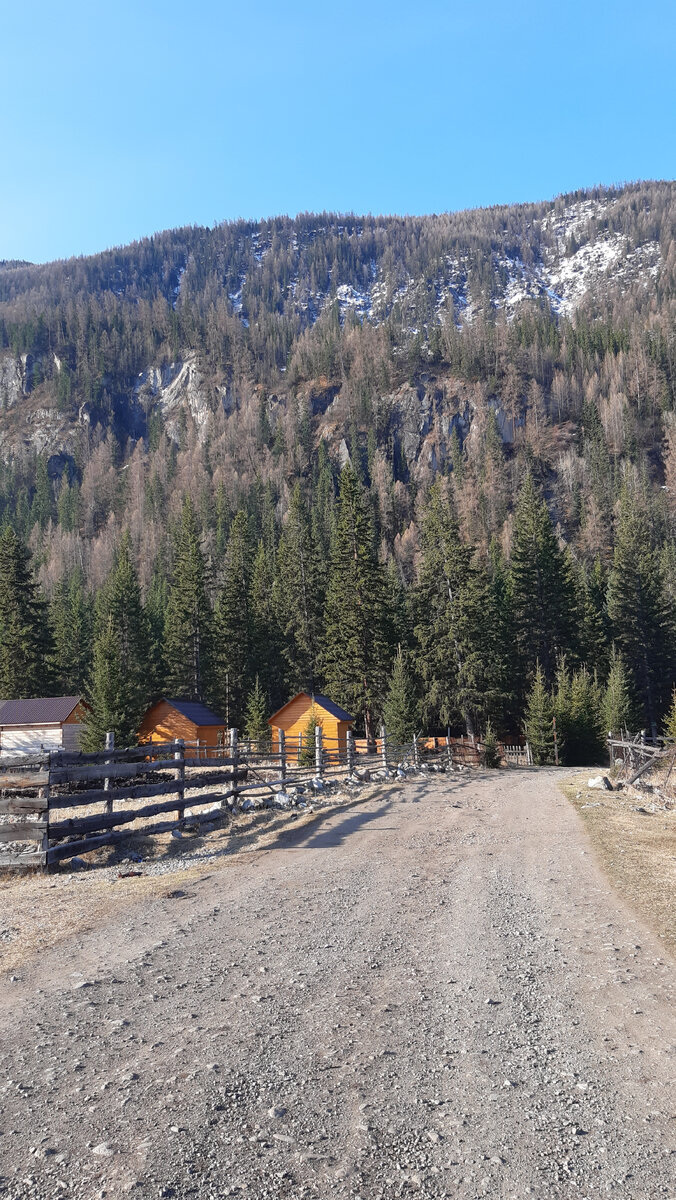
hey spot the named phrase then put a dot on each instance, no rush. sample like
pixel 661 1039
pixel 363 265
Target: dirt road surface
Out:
pixel 430 993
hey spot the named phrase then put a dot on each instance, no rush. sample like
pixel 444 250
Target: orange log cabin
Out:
pixel 189 720
pixel 293 719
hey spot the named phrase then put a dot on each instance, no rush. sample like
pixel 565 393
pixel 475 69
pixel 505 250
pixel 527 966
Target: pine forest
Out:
pixel 426 466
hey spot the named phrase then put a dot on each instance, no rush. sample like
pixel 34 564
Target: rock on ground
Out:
pixel 432 994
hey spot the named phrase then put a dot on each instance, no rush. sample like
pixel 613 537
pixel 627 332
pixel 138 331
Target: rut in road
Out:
pixel 433 993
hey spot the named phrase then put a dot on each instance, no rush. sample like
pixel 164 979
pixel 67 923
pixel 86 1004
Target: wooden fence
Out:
pixel 637 756
pixel 59 804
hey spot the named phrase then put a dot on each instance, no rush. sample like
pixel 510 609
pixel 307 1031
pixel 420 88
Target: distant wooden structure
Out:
pixel 43 723
pixel 189 721
pixel 293 718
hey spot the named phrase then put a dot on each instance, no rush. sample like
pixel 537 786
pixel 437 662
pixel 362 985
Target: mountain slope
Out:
pixel 215 361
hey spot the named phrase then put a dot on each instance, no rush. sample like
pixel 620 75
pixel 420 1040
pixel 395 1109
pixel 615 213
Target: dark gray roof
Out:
pixel 44 710
pixel 322 701
pixel 192 710
pixel 331 707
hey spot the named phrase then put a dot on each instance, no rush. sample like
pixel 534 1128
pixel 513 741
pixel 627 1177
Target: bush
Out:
pixel 490 754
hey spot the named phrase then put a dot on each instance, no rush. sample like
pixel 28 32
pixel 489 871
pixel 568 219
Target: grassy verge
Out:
pixel 637 850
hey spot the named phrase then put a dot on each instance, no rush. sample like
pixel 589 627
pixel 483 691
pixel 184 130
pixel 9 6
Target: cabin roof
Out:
pixel 192 710
pixel 329 706
pixel 43 710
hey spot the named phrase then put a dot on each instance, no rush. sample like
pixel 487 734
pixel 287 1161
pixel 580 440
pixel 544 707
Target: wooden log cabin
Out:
pixel 186 720
pixel 293 719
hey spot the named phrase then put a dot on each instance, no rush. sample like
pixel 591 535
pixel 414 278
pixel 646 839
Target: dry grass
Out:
pixel 637 850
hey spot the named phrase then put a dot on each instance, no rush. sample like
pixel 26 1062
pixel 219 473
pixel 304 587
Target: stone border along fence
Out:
pixel 59 804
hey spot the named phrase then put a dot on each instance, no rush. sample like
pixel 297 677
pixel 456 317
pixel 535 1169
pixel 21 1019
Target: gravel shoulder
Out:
pixel 431 992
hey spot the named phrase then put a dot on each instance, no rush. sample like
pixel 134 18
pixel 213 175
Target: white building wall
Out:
pixel 30 740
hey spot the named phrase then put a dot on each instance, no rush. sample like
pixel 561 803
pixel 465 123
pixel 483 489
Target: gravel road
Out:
pixel 433 992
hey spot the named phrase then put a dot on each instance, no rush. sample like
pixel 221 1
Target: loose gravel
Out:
pixel 432 993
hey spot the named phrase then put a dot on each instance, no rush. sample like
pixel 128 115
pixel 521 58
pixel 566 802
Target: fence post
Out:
pixel 235 762
pixel 416 756
pixel 449 755
pixel 110 745
pixel 281 741
pixel 529 755
pixel 300 749
pixel 179 756
pixel 350 752
pixel 318 749
pixel 383 745
pixel 556 743
pixel 44 794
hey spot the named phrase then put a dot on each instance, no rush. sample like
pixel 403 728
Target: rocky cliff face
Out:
pixel 177 390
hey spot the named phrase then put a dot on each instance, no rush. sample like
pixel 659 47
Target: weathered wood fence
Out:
pixel 60 804
pixel 71 803
pixel 637 756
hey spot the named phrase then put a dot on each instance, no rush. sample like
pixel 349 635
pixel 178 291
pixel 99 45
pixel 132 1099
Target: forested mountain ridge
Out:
pixel 244 365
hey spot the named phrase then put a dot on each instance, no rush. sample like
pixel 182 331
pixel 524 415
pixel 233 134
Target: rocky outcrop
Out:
pixel 11 381
pixel 173 388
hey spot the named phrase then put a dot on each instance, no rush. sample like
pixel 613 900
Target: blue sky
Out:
pixel 124 119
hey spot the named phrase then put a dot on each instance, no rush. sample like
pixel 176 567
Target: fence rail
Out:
pixel 60 804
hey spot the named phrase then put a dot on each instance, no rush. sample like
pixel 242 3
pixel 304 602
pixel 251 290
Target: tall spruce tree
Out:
pixel 457 629
pixel 300 596
pixel 400 714
pixel 543 590
pixel 120 617
pixel 188 627
pixel 107 693
pixel 72 627
pixel 537 726
pixel 233 658
pixel 266 660
pixel 25 639
pixel 256 718
pixel 618 709
pixel 585 740
pixel 357 638
pixel 642 612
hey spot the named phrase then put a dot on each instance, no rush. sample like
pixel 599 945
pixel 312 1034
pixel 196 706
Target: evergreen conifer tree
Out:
pixel 120 617
pixel 108 697
pixel 585 742
pixel 307 755
pixel 670 719
pixel 42 508
pixel 537 725
pixel 256 723
pixel 25 639
pixel 357 638
pixel 542 586
pixel 593 632
pixel 71 621
pixel 266 658
pixel 189 620
pixel 233 658
pixel 300 597
pixel 641 611
pixel 490 754
pixel 400 708
pixel 618 711
pixel 458 630
pixel 157 601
